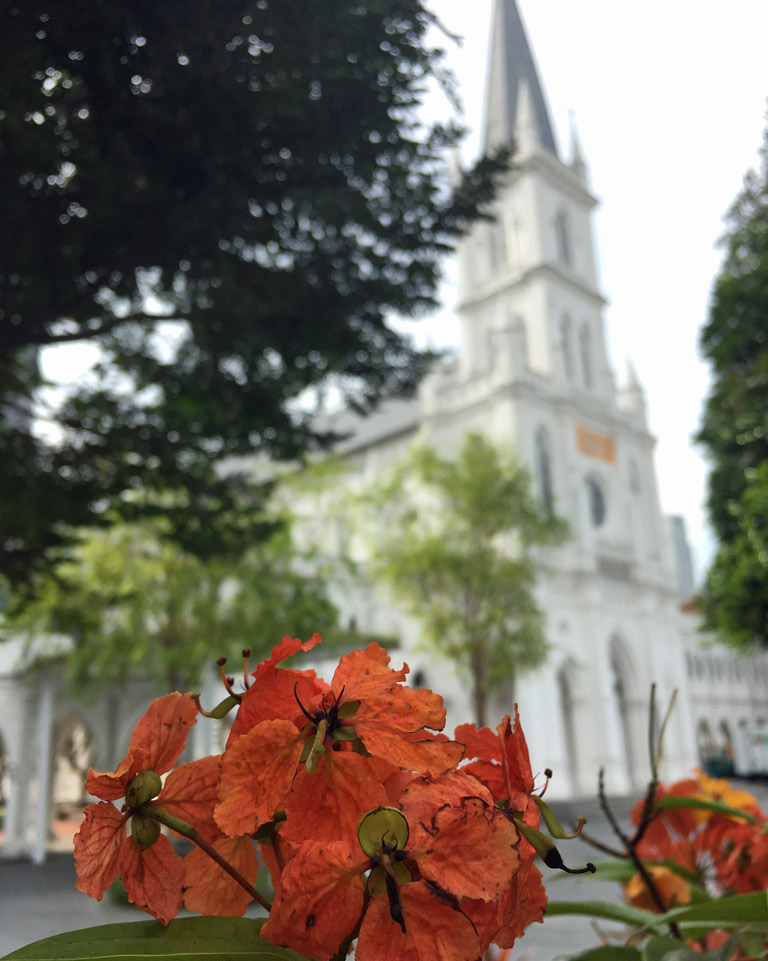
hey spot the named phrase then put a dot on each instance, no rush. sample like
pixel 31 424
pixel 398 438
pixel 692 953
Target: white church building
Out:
pixel 531 371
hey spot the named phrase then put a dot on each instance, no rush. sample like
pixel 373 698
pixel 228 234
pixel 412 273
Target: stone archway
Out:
pixel 71 756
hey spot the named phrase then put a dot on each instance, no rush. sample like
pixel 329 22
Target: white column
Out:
pixel 45 722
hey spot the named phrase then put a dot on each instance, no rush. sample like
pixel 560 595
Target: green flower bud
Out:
pixel 144 831
pixel 143 788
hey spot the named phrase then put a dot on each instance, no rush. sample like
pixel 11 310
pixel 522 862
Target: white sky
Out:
pixel 669 98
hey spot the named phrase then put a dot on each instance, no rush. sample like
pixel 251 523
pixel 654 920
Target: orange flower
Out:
pixel 502 763
pixel 457 845
pixel 671 888
pixel 366 711
pixel 153 874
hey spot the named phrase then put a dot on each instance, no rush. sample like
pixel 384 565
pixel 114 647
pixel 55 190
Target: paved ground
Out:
pixel 39 901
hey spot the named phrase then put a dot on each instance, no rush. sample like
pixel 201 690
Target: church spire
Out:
pixel 511 66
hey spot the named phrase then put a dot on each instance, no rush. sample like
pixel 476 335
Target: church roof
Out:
pixel 394 417
pixel 511 66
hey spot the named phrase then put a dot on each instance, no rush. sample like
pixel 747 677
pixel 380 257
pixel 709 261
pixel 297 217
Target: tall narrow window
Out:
pixel 585 350
pixel 565 345
pixel 595 502
pixel 497 241
pixel 563 238
pixel 544 471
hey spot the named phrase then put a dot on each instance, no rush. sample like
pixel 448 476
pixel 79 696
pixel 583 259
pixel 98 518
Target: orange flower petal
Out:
pixel 366 674
pixel 111 785
pixel 256 775
pixel 504 920
pixel 480 742
pixel 209 889
pixel 280 652
pixel 97 845
pixel 319 900
pixel 430 756
pixel 671 888
pixel 191 793
pixel 422 797
pixel 153 878
pixel 434 929
pixel 464 852
pixel 271 695
pixel 491 775
pixel 516 759
pixel 328 804
pixel 162 732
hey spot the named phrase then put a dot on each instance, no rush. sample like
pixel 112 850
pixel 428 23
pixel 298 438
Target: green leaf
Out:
pixel 615 870
pixel 609 911
pixel 702 804
pixel 670 949
pixel 610 952
pixel 659 946
pixel 739 911
pixel 187 939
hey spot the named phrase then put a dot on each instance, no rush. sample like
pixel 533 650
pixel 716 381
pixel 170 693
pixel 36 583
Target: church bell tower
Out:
pixel 533 370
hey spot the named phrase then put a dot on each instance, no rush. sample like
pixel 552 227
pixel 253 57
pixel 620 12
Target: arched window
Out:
pixel 595 502
pixel 585 352
pixel 563 238
pixel 565 345
pixel 544 471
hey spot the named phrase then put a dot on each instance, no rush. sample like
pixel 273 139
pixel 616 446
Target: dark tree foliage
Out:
pixel 734 428
pixel 252 170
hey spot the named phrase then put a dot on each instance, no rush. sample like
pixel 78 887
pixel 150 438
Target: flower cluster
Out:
pixel 724 852
pixel 373 824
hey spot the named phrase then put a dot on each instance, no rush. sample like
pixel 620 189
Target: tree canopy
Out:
pixel 734 427
pixel 456 544
pixel 228 199
pixel 128 602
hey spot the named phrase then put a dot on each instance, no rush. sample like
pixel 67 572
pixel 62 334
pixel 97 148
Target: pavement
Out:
pixel 37 901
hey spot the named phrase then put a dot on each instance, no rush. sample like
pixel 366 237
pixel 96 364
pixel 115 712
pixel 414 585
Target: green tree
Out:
pixel 228 199
pixel 734 427
pixel 129 602
pixel 456 543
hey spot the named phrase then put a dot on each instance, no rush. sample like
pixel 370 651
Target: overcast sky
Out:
pixel 669 98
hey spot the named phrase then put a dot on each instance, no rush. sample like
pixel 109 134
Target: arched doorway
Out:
pixel 72 755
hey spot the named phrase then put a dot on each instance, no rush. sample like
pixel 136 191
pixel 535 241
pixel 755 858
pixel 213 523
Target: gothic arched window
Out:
pixel 544 471
pixel 563 238
pixel 595 502
pixel 585 352
pixel 565 345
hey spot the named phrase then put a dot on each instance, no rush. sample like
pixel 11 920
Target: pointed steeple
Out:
pixel 578 164
pixel 510 66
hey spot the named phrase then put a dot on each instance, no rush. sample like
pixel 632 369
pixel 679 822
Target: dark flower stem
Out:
pixel 630 844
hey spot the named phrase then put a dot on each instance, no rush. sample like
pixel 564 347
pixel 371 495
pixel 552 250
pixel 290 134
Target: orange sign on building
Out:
pixel 592 444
